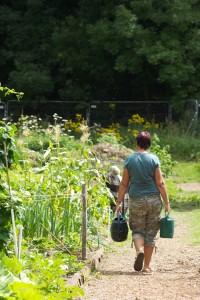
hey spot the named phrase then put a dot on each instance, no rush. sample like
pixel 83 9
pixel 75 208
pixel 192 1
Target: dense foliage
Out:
pixel 36 278
pixel 101 50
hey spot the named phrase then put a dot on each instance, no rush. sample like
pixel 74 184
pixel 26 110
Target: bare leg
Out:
pixel 139 244
pixel 148 251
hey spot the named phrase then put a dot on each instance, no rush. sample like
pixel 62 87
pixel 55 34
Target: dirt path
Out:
pixel 176 272
pixel 190 186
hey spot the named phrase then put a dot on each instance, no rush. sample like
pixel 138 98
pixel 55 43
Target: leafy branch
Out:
pixel 7 92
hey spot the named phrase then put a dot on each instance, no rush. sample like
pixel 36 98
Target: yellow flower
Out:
pixel 135 132
pixel 135 119
pixel 147 125
pixel 78 117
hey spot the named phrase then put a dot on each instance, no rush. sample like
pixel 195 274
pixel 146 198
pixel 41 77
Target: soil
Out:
pixel 190 187
pixel 175 276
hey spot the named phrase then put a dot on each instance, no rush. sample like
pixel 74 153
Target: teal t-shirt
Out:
pixel 141 168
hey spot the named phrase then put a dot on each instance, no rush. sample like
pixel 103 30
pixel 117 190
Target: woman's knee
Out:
pixel 150 240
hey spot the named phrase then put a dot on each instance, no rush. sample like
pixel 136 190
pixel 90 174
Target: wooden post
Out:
pixel 109 221
pixel 14 232
pixel 84 221
pixel 19 241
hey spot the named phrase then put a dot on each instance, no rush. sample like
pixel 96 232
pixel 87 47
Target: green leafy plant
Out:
pixel 7 91
pixel 163 154
pixel 36 277
pixel 7 134
pixel 8 157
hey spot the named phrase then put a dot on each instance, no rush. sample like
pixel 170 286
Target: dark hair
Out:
pixel 143 140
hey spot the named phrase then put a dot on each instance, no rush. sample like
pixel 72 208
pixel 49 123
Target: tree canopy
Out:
pixel 101 50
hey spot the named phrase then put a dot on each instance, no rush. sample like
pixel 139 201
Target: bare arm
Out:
pixel 162 188
pixel 122 189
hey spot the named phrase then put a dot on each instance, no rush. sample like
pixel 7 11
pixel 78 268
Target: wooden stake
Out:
pixel 84 222
pixel 11 204
pixel 19 241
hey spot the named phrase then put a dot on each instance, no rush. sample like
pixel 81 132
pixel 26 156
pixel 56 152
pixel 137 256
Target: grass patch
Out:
pixel 186 172
pixel 193 221
pixel 183 203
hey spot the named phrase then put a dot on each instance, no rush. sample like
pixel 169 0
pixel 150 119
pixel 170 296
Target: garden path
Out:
pixel 190 186
pixel 176 272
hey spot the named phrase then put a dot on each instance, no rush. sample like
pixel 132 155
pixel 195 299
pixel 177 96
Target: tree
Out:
pixel 101 50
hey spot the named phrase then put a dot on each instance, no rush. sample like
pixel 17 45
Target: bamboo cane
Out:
pixel 19 241
pixel 11 203
pixel 84 221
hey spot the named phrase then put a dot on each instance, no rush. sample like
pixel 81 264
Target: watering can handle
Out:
pixel 118 216
pixel 166 214
pixel 122 214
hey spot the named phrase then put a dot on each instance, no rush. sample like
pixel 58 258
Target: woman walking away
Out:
pixel 143 179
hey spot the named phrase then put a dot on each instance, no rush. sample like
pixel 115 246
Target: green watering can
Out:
pixel 166 227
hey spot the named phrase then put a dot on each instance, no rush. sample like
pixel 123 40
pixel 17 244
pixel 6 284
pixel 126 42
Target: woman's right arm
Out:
pixel 162 188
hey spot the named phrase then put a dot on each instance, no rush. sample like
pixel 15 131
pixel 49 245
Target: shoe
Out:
pixel 139 262
pixel 147 271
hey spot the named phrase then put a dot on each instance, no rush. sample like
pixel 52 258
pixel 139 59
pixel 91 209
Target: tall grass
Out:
pixel 184 145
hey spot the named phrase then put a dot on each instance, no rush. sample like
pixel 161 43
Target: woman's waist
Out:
pixel 144 197
pixel 143 200
pixel 138 190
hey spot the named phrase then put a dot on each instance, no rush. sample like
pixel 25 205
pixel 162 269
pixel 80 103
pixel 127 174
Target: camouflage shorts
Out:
pixel 144 217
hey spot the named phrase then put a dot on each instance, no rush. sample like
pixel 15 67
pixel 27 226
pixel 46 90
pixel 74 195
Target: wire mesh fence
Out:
pixel 99 112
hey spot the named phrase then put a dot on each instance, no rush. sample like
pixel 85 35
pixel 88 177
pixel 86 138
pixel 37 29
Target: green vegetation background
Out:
pixel 101 50
pixel 47 165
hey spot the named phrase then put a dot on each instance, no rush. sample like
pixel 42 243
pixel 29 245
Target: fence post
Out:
pixel 84 221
